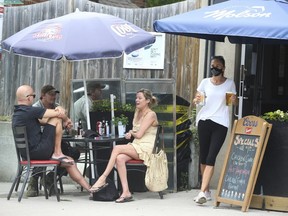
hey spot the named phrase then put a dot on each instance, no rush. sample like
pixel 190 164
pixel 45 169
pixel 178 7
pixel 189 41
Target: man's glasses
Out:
pixel 32 95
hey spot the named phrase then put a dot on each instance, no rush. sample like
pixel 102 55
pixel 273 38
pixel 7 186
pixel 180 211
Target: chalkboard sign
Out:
pixel 246 149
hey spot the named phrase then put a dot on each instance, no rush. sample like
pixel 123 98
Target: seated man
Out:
pixel 47 144
pixel 48 100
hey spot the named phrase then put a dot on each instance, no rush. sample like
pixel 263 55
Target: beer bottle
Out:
pixel 107 128
pixel 103 131
pixel 79 129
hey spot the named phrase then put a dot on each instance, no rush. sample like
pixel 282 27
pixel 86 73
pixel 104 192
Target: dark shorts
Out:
pixel 211 139
pixel 46 145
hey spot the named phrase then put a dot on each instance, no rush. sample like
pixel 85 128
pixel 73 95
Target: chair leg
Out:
pixel 60 184
pixel 44 185
pixel 24 184
pixel 19 178
pixel 161 194
pixel 15 183
pixel 55 184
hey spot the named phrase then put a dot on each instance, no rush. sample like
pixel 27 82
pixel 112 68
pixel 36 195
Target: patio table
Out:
pixel 94 144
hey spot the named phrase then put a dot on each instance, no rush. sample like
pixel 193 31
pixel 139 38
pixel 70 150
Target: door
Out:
pixel 265 79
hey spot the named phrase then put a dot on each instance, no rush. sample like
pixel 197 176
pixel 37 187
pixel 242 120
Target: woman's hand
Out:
pixel 128 135
pixel 197 98
pixel 234 99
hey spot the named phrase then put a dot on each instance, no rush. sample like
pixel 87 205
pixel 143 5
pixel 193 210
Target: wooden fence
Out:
pixel 181 53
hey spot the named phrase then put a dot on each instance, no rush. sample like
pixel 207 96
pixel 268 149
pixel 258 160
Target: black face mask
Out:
pixel 216 71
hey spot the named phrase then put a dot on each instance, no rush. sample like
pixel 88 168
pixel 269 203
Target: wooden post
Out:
pixel 66 78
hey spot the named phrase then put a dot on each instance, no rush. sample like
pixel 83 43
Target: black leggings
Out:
pixel 211 138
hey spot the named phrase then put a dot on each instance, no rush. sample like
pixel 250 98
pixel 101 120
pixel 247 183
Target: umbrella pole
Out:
pixel 112 97
pixel 91 155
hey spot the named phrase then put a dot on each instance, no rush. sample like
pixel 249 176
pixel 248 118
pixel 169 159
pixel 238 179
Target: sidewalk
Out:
pixel 73 202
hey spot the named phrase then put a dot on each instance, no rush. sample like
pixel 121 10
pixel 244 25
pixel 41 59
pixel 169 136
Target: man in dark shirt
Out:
pixel 47 144
pixel 48 100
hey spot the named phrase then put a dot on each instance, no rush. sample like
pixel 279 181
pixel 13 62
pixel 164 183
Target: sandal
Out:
pixel 95 189
pixel 124 199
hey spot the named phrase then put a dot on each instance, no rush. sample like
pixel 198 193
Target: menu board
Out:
pixel 245 153
pixel 239 166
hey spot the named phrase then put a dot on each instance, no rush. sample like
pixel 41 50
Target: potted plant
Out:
pixel 101 110
pixel 101 106
pixel 121 122
pixel 273 172
pixel 276 116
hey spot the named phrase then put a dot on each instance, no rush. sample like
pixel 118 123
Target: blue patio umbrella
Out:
pixel 78 36
pixel 242 21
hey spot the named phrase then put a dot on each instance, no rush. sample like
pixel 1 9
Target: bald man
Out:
pixel 47 144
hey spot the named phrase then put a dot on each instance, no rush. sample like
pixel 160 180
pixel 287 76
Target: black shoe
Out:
pixel 50 183
pixel 32 189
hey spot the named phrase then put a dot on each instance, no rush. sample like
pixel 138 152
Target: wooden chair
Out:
pixel 138 165
pixel 26 165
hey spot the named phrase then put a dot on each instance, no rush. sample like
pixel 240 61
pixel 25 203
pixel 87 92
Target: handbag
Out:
pixel 109 193
pixel 156 176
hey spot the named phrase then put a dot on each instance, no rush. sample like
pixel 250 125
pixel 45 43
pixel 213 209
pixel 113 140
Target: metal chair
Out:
pixel 136 165
pixel 26 165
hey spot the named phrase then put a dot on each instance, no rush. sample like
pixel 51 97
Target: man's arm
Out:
pixel 56 113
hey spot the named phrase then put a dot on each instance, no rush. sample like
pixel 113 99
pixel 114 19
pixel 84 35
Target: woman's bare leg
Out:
pixel 122 171
pixel 118 149
pixel 206 177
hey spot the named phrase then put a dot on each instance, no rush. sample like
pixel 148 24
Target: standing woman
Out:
pixel 144 133
pixel 212 121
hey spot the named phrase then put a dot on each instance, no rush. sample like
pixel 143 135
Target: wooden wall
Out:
pixel 181 53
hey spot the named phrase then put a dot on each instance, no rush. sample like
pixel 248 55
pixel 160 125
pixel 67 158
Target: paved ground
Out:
pixel 73 202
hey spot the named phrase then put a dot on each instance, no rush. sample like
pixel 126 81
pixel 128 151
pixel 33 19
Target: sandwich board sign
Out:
pixel 246 149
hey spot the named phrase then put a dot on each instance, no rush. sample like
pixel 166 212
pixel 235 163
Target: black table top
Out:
pixel 100 139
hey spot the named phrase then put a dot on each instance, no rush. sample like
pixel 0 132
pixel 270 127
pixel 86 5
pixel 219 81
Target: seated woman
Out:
pixel 144 132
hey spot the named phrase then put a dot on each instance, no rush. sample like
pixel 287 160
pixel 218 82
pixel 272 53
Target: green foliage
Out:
pixel 153 3
pixel 122 118
pixel 6 118
pixel 194 130
pixel 184 182
pixel 277 115
pixel 124 107
pixel 105 105
pixel 101 106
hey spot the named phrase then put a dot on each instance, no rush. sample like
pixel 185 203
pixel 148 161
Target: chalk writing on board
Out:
pixel 239 166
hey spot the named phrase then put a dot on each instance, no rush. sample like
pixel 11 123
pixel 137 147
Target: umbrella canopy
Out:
pixel 242 21
pixel 79 36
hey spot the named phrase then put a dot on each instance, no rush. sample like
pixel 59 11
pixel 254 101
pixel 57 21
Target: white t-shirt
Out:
pixel 80 110
pixel 215 107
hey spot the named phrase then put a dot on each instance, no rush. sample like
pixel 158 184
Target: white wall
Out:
pixel 8 159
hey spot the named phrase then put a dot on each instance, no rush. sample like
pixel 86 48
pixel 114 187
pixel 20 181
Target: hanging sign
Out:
pixel 148 57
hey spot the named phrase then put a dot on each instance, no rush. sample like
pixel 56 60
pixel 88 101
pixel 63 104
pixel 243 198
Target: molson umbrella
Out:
pixel 242 21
